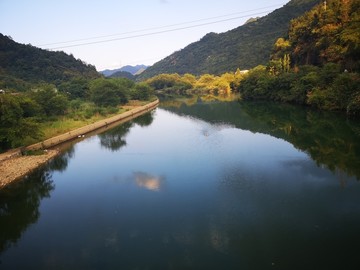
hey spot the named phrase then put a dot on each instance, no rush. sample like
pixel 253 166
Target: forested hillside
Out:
pixel 122 74
pixel 244 47
pixel 49 93
pixel 22 65
pixel 318 64
pixel 330 32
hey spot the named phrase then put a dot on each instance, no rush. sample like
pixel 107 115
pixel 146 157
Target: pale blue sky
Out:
pixel 40 22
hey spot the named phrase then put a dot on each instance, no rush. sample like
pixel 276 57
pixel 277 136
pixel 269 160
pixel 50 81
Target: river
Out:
pixel 194 185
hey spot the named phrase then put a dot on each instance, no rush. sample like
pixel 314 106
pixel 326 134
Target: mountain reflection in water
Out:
pixel 194 185
pixel 330 139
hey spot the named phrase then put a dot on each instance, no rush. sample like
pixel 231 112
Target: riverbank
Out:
pixel 19 166
pixel 14 166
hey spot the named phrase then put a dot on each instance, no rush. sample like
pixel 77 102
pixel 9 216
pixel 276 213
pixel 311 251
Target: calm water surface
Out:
pixel 194 186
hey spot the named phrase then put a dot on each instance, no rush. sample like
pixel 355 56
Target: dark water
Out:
pixel 194 186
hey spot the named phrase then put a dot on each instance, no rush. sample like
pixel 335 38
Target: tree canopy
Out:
pixel 17 122
pixel 318 64
pixel 328 33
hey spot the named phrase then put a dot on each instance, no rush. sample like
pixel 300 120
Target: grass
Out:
pixel 85 113
pixel 33 152
pixel 73 121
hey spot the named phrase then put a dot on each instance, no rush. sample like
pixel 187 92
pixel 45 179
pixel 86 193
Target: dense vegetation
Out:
pixel 327 33
pixel 326 88
pixel 317 65
pixel 22 65
pixel 24 116
pixel 175 83
pixel 244 47
pixel 47 92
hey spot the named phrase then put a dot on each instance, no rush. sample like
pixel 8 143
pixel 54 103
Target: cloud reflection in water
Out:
pixel 150 182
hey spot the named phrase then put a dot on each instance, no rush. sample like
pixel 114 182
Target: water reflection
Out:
pixel 145 120
pixel 60 163
pixel 219 238
pixel 203 194
pixel 19 206
pixel 330 139
pixel 19 202
pixel 275 216
pixel 150 182
pixel 114 139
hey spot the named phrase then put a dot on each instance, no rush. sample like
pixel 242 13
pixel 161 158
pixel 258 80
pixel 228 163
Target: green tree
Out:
pixel 104 92
pixel 189 78
pixel 124 83
pixel 328 35
pixel 75 88
pixel 51 101
pixel 14 125
pixel 142 91
pixel 286 63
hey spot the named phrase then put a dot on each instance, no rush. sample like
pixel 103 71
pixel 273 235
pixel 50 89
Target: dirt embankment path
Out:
pixel 14 166
pixel 19 166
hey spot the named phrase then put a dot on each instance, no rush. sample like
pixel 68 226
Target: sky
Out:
pixel 110 34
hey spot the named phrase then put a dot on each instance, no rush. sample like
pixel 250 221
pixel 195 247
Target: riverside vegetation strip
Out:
pixel 14 166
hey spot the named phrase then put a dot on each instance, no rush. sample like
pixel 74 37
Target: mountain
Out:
pixel 22 65
pixel 244 47
pixel 122 74
pixel 134 70
pixel 252 20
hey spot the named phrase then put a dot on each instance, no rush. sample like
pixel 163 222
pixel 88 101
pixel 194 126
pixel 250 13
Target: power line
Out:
pixel 156 28
pixel 275 34
pixel 155 33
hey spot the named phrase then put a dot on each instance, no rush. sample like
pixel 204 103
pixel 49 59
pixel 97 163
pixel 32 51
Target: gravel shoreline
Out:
pixel 15 168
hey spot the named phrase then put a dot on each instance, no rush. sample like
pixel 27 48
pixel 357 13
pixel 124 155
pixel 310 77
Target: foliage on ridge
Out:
pixel 317 65
pixel 244 47
pixel 22 65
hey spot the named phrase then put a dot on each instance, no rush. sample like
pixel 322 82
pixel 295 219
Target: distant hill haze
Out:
pixel 134 70
pixel 123 74
pixel 244 47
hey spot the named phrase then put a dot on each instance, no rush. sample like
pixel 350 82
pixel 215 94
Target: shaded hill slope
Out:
pixel 244 47
pixel 122 74
pixel 25 64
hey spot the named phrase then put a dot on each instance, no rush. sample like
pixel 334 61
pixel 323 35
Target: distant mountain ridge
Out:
pixel 123 74
pixel 134 70
pixel 244 47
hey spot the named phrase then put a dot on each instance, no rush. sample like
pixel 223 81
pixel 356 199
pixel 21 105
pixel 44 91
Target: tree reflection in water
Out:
pixel 144 120
pixel 19 202
pixel 329 139
pixel 114 139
